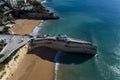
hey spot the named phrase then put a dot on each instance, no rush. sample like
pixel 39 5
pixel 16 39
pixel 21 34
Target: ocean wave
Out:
pixel 107 70
pixel 56 70
pixel 37 28
pixel 49 8
pixel 102 66
pixel 43 1
pixel 57 60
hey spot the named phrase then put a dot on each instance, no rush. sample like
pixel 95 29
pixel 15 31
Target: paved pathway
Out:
pixel 14 42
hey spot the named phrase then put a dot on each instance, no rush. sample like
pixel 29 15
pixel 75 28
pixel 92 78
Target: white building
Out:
pixel 22 1
pixel 12 3
pixel 15 2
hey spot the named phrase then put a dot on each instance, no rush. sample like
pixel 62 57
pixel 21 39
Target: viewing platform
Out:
pixel 61 43
pixel 64 43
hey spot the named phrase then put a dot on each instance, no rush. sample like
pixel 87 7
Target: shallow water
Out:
pixel 96 21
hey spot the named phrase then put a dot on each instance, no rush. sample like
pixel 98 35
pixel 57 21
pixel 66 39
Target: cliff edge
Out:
pixel 10 68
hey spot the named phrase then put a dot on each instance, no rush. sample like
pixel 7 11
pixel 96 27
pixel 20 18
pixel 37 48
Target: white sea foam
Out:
pixel 37 28
pixel 49 8
pixel 56 59
pixel 43 1
pixel 56 70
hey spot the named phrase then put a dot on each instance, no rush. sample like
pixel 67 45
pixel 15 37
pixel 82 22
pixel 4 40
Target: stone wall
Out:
pixel 14 62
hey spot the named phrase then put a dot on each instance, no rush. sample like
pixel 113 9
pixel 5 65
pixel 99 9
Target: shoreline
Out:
pixel 37 28
pixel 24 26
pixel 36 63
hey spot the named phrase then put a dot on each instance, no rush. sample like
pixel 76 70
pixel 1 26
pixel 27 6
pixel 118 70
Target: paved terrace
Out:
pixel 14 42
pixel 61 38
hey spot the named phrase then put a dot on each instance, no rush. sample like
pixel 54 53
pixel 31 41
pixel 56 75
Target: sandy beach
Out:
pixel 38 64
pixel 24 26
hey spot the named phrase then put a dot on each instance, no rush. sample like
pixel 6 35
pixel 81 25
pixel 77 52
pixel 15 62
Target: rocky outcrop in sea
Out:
pixel 34 10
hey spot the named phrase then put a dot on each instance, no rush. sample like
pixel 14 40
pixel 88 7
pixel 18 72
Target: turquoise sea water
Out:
pixel 97 21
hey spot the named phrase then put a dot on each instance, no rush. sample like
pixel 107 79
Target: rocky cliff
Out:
pixel 10 68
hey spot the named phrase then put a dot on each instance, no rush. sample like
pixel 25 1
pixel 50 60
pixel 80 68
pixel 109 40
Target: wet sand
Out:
pixel 38 64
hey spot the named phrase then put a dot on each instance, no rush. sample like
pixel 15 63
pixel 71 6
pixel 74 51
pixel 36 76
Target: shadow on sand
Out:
pixel 61 57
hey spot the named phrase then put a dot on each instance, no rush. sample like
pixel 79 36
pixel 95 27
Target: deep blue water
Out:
pixel 97 21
